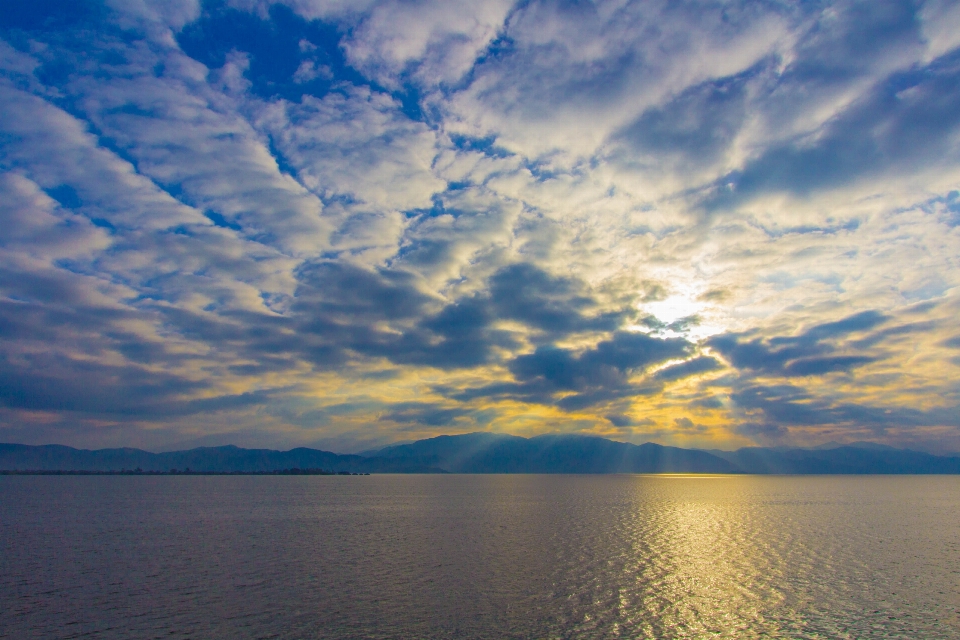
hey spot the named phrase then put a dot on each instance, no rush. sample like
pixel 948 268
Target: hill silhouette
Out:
pixel 494 453
pixel 203 459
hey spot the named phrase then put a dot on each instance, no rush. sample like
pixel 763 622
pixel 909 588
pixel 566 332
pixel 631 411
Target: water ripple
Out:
pixel 480 557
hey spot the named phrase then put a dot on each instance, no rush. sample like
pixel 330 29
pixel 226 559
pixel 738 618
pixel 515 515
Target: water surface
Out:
pixel 479 557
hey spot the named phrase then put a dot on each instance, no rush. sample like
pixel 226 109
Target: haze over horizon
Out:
pixel 341 225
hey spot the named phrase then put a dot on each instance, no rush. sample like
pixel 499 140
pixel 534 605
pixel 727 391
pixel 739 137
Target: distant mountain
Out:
pixel 496 453
pixel 857 458
pixel 499 453
pixel 220 459
pixel 858 445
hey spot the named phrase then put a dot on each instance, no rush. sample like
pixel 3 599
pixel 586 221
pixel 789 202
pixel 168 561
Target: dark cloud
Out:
pixel 810 353
pixel 790 405
pixel 588 377
pixel 708 403
pixel 766 411
pixel 759 355
pixel 459 335
pixel 953 342
pixel 464 333
pixel 26 321
pixel 528 294
pixel 424 413
pixel 684 324
pixel 783 404
pixel 680 325
pixel 687 425
pixel 857 322
pixel 56 384
pixel 382 313
pixel 619 420
pixel 340 292
pixel 349 308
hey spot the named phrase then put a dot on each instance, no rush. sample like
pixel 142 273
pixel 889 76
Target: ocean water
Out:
pixel 479 557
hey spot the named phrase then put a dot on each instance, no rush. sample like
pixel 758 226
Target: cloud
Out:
pixel 695 128
pixel 385 313
pixel 857 322
pixel 171 13
pixel 462 235
pixel 802 355
pixel 619 420
pixel 908 121
pixel 688 368
pixel 939 20
pixel 38 226
pixel 382 314
pixel 612 60
pixel 424 414
pixel 820 366
pixel 432 41
pixel 359 145
pixel 325 221
pixel 575 380
pixel 309 71
pixel 528 294
pixel 786 405
pixel 55 150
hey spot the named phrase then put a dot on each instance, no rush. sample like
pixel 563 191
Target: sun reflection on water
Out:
pixel 706 577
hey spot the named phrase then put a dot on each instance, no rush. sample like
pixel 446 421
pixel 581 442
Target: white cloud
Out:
pixel 437 41
pixel 179 138
pixel 309 71
pixel 940 21
pixel 358 145
pixel 429 41
pixel 55 149
pixel 170 13
pixel 34 224
pixel 572 77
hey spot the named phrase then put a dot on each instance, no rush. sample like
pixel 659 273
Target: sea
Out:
pixel 479 556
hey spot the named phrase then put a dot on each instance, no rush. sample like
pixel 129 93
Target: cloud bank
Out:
pixel 346 224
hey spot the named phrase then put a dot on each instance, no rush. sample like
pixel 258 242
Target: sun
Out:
pixel 673 308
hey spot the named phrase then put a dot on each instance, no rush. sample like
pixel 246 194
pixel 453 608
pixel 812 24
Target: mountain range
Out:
pixel 203 459
pixel 495 453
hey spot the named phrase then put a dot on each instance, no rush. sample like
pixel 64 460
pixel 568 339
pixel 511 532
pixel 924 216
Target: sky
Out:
pixel 343 224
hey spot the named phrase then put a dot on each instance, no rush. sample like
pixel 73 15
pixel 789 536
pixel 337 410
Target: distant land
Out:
pixel 228 459
pixel 496 453
pixel 490 453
